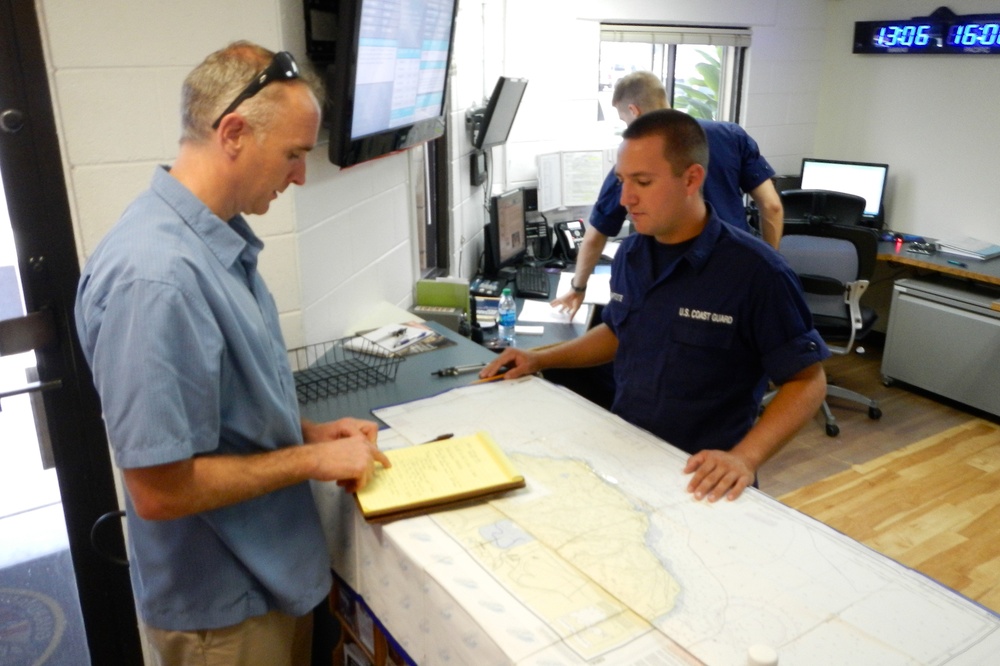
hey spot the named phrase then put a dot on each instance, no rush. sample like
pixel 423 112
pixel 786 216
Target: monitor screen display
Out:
pixel 507 233
pixel 863 179
pixel 386 84
pixel 500 112
pixel 402 64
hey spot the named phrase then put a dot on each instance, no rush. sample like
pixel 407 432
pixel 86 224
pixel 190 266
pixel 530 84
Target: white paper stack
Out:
pixel 967 246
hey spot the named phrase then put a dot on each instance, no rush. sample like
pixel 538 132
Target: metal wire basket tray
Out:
pixel 332 368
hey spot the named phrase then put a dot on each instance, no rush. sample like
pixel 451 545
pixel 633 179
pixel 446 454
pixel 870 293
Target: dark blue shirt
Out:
pixel 695 345
pixel 735 166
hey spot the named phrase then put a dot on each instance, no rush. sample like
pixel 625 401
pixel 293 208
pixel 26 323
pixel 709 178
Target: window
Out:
pixel 701 68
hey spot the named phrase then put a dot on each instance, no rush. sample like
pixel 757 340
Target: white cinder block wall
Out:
pixel 344 240
pixel 931 118
pixel 333 247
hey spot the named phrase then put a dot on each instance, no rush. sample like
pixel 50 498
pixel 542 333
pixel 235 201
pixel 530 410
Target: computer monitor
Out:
pixel 863 179
pixel 506 242
pixel 498 118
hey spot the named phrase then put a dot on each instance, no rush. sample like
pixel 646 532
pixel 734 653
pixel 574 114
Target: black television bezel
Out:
pixel 875 221
pixel 506 87
pixel 341 76
pixel 492 231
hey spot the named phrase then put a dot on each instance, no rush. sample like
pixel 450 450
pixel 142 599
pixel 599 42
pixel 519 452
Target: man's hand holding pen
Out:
pixel 346 451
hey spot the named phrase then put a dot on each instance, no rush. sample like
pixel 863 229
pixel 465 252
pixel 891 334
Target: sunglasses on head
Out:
pixel 281 68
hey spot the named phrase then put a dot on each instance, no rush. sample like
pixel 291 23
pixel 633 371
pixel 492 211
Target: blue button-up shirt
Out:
pixel 187 355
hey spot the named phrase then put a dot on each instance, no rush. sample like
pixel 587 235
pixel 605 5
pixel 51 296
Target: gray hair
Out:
pixel 216 82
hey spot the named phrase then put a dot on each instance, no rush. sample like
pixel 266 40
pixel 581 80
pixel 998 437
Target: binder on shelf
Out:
pixel 447 292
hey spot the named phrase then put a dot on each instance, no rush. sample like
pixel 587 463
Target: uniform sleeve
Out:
pixel 783 327
pixel 156 363
pixel 608 215
pixel 754 168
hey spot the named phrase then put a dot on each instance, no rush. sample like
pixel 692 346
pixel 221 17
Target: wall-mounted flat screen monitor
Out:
pixel 506 242
pixel 387 77
pixel 864 179
pixel 501 109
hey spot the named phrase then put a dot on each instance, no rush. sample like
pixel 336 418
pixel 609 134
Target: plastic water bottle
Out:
pixel 506 317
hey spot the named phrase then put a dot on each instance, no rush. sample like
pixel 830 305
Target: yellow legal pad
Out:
pixel 437 475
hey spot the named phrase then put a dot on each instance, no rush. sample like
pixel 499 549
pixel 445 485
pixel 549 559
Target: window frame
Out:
pixel 735 39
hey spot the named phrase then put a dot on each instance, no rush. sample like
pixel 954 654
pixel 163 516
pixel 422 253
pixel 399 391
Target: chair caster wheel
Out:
pixel 832 430
pixel 874 413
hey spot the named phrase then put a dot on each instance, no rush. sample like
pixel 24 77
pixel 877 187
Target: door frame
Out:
pixel 37 199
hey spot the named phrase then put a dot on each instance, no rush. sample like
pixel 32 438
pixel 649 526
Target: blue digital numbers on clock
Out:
pixel 973 34
pixel 889 36
pixel 941 32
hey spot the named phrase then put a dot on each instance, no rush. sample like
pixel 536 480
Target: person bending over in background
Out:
pixel 701 313
pixel 228 557
pixel 735 166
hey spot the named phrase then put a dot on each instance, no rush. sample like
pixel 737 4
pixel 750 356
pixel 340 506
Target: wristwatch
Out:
pixel 575 288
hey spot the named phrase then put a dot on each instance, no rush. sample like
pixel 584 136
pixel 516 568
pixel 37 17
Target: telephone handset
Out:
pixel 570 235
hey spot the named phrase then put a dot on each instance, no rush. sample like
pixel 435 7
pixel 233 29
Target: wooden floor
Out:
pixel 921 485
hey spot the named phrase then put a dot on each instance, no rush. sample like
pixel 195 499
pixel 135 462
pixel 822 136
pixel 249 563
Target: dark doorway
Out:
pixel 38 322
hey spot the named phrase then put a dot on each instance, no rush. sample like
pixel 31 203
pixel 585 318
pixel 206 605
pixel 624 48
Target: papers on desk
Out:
pixel 598 287
pixel 967 246
pixel 611 249
pixel 714 576
pixel 437 475
pixel 541 311
pixel 401 339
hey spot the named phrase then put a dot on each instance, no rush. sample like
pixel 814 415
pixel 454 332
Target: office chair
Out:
pixel 823 206
pixel 834 264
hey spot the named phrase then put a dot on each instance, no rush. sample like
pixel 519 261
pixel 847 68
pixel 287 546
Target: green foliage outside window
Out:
pixel 699 95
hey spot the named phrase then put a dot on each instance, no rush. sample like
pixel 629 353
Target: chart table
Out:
pixel 605 558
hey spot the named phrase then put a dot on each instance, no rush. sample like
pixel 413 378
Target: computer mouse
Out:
pixel 556 263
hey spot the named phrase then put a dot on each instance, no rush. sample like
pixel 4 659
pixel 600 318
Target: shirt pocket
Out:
pixel 699 361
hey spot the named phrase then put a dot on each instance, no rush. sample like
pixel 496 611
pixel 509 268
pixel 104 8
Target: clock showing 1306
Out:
pixel 941 32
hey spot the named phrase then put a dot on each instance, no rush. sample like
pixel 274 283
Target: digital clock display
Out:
pixel 942 32
pixel 973 34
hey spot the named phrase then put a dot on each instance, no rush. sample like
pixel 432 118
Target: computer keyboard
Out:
pixel 531 282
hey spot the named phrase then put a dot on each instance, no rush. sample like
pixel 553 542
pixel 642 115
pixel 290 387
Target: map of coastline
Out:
pixel 604 558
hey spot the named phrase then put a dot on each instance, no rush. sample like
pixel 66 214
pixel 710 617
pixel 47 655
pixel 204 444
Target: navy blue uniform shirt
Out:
pixel 698 337
pixel 735 166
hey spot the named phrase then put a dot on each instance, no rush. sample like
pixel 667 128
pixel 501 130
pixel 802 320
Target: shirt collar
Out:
pixel 700 251
pixel 228 241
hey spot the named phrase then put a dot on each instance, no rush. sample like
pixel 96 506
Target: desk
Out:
pixel 943 329
pixel 604 558
pixel 414 379
pixel 554 332
pixel 981 271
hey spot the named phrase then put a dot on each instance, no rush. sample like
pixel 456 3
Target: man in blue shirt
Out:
pixel 735 166
pixel 227 554
pixel 700 315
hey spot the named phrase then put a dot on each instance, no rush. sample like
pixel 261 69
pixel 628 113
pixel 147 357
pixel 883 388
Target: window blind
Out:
pixel 664 34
